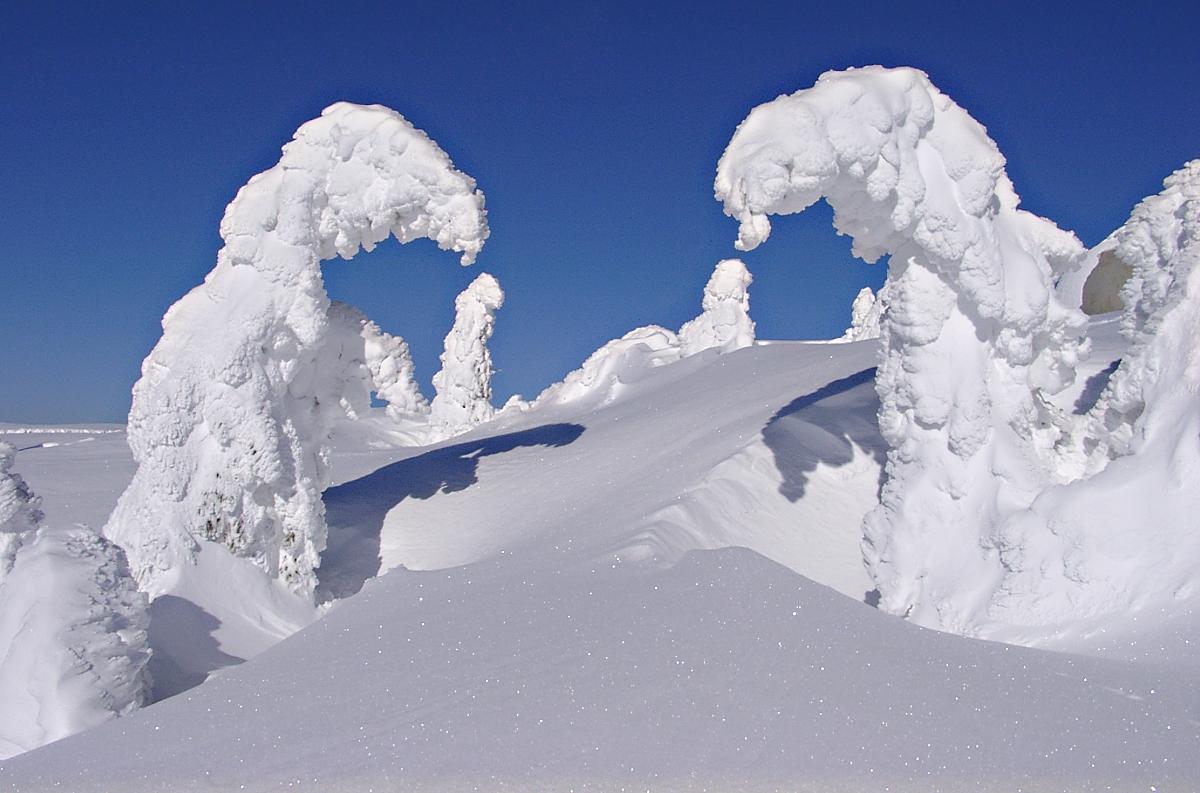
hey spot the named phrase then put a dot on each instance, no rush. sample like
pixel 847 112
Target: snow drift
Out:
pixel 231 414
pixel 973 328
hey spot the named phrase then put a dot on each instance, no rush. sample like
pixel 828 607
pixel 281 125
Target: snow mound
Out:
pixel 725 322
pixel 464 383
pixel 230 417
pixel 973 328
pixel 73 640
pixel 617 364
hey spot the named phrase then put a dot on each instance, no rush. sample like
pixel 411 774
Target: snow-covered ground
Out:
pixel 664 592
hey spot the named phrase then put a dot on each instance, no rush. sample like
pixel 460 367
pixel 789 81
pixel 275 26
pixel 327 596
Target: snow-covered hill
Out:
pixel 625 593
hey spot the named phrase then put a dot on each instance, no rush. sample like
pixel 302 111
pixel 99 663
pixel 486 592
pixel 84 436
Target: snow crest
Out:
pixel 725 320
pixel 230 417
pixel 73 639
pixel 463 385
pixel 972 330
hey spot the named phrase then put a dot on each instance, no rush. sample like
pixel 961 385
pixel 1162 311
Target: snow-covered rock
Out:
pixel 725 322
pixel 463 385
pixel 973 327
pixel 73 641
pixel 20 510
pixel 230 417
pixel 865 316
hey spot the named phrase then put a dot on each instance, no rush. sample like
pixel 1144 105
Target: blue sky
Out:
pixel 594 130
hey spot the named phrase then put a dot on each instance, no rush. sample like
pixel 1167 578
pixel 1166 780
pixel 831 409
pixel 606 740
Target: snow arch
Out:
pixel 972 329
pixel 230 416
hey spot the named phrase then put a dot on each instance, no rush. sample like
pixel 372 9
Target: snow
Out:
pixel 230 418
pixel 972 329
pixel 73 633
pixel 724 322
pixel 19 510
pixel 866 316
pixel 463 385
pixel 662 573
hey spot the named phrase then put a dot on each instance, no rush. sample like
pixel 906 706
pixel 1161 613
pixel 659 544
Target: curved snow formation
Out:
pixel 725 322
pixel 972 329
pixel 617 364
pixel 20 510
pixel 73 641
pixel 463 385
pixel 865 316
pixel 1124 539
pixel 230 417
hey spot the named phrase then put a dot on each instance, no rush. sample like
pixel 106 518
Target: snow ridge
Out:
pixel 972 329
pixel 20 511
pixel 229 419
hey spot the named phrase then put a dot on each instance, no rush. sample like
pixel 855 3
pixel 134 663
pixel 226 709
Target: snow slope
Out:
pixel 621 593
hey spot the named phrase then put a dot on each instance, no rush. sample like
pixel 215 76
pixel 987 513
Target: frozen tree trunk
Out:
pixel 972 329
pixel 231 415
pixel 19 511
pixel 464 384
pixel 725 322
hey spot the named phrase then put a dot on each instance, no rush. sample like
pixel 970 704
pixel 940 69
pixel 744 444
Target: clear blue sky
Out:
pixel 594 130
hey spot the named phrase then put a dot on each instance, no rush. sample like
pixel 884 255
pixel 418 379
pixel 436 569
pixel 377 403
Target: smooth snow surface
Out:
pixel 230 419
pixel 972 329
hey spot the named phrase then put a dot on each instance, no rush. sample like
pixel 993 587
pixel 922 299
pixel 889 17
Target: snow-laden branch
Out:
pixel 972 326
pixel 724 322
pixel 464 383
pixel 230 417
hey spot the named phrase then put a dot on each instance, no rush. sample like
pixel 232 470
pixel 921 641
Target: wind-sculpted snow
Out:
pixel 73 642
pixel 1123 540
pixel 20 510
pixel 358 358
pixel 725 322
pixel 230 417
pixel 464 383
pixel 972 328
pixel 615 365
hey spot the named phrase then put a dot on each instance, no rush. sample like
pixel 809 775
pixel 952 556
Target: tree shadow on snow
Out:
pixel 355 510
pixel 1093 387
pixel 185 650
pixel 824 426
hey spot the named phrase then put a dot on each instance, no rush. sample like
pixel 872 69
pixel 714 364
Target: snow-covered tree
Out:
pixel 19 510
pixel 73 639
pixel 865 316
pixel 358 358
pixel 1122 536
pixel 463 385
pixel 725 320
pixel 972 328
pixel 230 417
